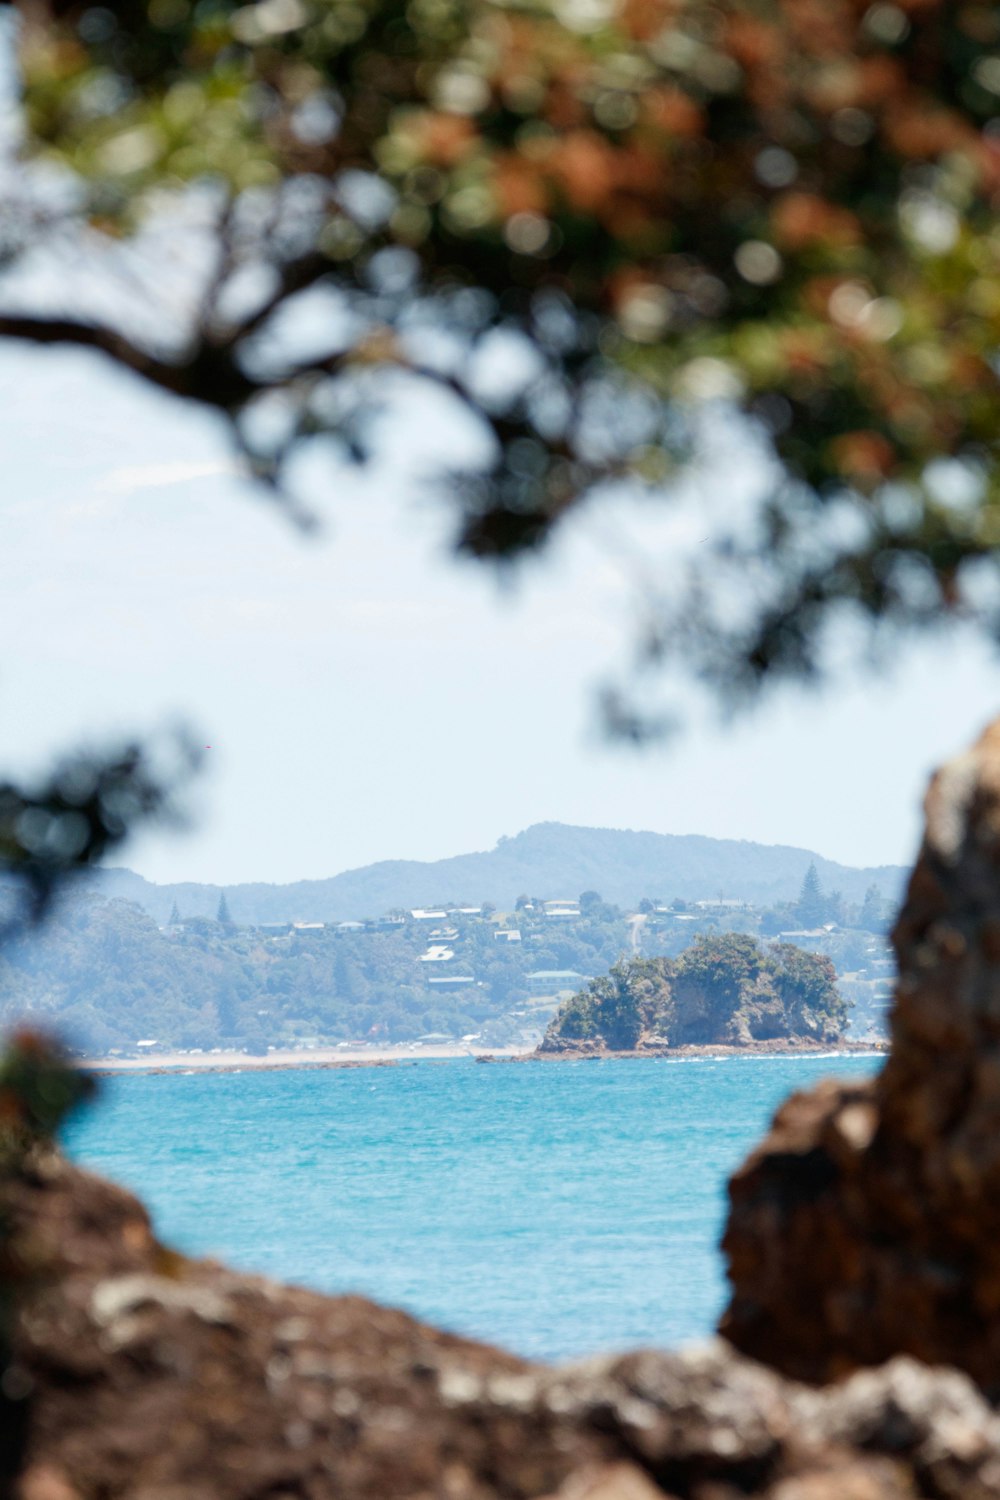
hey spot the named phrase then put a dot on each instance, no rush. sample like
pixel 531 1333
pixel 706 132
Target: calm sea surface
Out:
pixel 557 1209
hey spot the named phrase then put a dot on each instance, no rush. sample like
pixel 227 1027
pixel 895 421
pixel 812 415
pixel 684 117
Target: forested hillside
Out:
pixel 108 977
pixel 549 858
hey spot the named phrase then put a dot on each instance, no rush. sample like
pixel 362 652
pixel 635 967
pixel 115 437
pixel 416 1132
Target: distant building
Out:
pixel 457 981
pixel 556 981
pixel 421 914
pixel 353 926
pixel 561 908
pixel 308 929
pixel 507 935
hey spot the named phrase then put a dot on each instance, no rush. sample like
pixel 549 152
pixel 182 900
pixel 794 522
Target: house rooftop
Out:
pixel 556 974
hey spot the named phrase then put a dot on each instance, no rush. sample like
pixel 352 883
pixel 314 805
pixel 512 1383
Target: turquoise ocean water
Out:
pixel 557 1209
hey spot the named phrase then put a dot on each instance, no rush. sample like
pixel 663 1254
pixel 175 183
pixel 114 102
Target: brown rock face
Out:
pixel 140 1375
pixel 867 1224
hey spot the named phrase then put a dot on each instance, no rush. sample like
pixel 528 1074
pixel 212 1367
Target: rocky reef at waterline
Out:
pixel 862 1348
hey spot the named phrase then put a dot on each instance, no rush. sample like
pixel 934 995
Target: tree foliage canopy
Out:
pixel 722 989
pixel 634 210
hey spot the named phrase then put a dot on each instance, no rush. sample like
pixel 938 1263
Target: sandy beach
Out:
pixel 299 1057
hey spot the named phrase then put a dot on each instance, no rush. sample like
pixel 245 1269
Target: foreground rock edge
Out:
pixel 137 1374
pixel 867 1223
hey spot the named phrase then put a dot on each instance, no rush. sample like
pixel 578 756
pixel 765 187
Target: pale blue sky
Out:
pixel 365 696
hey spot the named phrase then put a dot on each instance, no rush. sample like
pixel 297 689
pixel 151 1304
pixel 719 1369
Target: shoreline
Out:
pixel 313 1058
pixel 331 1058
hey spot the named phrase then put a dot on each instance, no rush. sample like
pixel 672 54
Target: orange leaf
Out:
pixel 518 186
pixel 800 219
pixel 585 168
pixel 864 455
pixel 444 139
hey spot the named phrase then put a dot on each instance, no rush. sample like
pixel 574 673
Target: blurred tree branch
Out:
pixel 55 830
pixel 781 212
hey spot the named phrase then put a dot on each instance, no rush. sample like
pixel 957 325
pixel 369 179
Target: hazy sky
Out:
pixel 367 697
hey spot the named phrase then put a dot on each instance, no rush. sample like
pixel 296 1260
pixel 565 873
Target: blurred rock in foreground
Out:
pixel 145 1376
pixel 867 1224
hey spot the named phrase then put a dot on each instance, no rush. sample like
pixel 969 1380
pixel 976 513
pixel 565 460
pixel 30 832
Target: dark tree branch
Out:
pixel 209 375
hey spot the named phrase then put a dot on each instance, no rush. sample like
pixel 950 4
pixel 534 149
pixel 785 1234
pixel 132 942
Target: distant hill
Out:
pixel 547 860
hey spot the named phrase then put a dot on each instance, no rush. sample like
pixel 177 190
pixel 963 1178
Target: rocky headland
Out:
pixel 861 1353
pixel 726 992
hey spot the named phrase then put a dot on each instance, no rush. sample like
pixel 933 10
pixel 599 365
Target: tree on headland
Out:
pixel 615 1009
pixel 872 916
pixel 223 915
pixel 833 907
pixel 810 909
pixel 174 920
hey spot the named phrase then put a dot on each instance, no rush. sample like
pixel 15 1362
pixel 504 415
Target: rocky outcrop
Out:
pixel 146 1376
pixel 725 990
pixel 868 1222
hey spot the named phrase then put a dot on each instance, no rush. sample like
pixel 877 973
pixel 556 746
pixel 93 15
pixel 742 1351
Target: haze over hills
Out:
pixel 547 860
